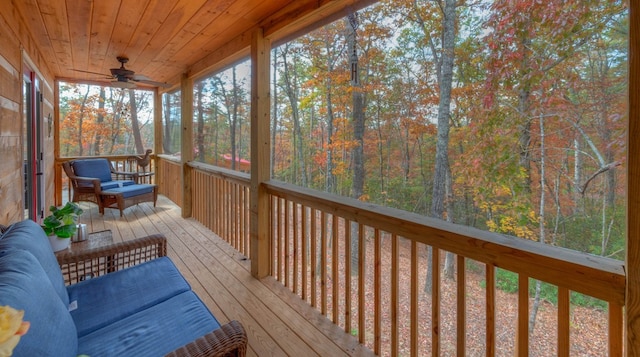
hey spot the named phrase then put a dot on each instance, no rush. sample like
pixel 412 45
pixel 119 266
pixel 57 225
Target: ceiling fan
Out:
pixel 126 78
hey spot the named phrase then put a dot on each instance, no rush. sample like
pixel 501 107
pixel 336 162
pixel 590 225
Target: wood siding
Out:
pixel 18 47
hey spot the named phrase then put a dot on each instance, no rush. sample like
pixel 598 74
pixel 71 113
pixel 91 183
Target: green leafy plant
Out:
pixel 63 222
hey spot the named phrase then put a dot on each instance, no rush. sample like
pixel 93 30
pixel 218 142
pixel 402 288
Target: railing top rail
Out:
pixel 596 276
pixel 170 158
pixel 110 157
pixel 227 174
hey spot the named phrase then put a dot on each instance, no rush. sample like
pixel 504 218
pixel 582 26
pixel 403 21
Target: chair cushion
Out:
pixel 98 168
pixel 108 298
pixel 183 318
pixel 24 285
pixel 28 235
pixel 115 184
pixel 130 191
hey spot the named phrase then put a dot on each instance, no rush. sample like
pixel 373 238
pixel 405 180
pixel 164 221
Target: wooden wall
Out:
pixel 16 47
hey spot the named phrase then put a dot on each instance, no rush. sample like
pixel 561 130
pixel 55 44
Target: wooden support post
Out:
pixel 260 153
pixel 632 310
pixel 186 142
pixel 157 134
pixel 57 169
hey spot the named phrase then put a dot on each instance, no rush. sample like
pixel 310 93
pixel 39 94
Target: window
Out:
pixel 171 120
pixel 98 121
pixel 521 131
pixel 222 109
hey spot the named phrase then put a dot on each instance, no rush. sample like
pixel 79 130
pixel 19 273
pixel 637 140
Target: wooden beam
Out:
pixel 186 143
pixel 157 133
pixel 260 151
pixel 57 169
pixel 632 320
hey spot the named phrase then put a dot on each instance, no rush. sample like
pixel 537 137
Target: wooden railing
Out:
pixel 378 294
pixel 119 162
pixel 221 203
pixel 170 178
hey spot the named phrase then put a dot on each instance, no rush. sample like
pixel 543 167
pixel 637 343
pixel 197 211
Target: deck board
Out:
pixel 278 323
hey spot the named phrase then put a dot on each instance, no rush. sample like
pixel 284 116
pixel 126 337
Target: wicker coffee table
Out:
pixel 94 240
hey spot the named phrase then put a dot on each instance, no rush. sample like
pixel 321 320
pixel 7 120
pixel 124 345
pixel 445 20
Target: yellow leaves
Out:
pixel 510 225
pixel 11 328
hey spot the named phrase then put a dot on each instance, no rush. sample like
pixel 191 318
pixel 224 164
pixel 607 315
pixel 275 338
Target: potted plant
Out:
pixel 61 225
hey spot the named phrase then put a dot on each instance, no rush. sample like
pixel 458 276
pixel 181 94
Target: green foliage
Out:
pixel 63 221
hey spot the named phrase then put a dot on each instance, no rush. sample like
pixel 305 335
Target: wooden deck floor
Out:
pixel 278 323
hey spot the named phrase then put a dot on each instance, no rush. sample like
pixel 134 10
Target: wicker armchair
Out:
pixel 88 188
pixel 228 340
pixel 93 180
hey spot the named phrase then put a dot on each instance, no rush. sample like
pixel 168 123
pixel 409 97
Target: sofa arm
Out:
pixel 79 265
pixel 229 340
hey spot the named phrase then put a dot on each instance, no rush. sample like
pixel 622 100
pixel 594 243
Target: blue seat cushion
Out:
pixel 153 332
pixel 103 300
pixel 98 168
pixel 24 285
pixel 28 235
pixel 132 190
pixel 115 184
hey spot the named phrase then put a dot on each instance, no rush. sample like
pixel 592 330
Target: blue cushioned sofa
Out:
pixel 93 180
pixel 126 299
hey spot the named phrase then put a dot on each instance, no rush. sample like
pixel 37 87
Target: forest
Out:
pixel 508 116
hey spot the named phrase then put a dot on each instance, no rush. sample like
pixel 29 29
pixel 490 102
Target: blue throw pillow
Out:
pixel 28 235
pixel 25 286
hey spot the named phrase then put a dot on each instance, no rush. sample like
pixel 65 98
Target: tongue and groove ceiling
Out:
pixel 162 38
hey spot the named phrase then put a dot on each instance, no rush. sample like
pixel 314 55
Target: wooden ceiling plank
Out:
pixel 161 38
pixel 198 41
pixel 103 22
pixel 79 15
pixel 127 22
pixel 150 22
pixel 31 15
pixel 54 15
pixel 183 11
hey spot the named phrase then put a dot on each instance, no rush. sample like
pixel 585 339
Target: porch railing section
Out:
pixel 366 268
pixel 379 273
pixel 170 178
pixel 220 201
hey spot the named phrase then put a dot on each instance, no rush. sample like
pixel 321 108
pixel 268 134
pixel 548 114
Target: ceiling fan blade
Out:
pixel 96 73
pixel 137 78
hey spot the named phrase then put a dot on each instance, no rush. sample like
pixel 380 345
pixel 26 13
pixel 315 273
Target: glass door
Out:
pixel 32 148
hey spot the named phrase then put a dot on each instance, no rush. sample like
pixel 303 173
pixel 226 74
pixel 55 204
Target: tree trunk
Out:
pixel 99 121
pixel 358 119
pixel 445 83
pixel 541 217
pixel 330 181
pixel 233 120
pixel 135 128
pixel 199 135
pixel 80 120
pixel 291 88
pixel 274 114
pixel 166 140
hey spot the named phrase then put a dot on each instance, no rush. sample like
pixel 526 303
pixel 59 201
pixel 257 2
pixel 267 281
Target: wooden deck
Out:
pixel 278 322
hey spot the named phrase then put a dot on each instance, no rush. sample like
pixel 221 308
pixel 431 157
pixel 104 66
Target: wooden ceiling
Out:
pixel 162 38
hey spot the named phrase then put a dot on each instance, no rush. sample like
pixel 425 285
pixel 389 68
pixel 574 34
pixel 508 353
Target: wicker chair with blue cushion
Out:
pixel 93 180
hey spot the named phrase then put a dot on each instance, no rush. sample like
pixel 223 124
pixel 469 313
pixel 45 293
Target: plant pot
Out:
pixel 58 244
